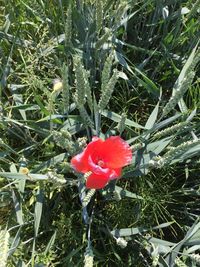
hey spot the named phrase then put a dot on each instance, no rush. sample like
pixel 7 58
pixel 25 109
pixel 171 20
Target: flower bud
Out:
pixel 121 242
pixel 88 260
pixel 57 85
pixel 24 170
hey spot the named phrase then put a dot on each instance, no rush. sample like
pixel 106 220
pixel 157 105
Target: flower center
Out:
pixel 101 163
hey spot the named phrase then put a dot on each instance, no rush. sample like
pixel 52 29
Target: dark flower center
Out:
pixel 101 163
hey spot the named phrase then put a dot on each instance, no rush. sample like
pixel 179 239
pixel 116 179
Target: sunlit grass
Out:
pixel 150 43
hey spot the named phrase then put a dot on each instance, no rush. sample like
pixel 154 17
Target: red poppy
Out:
pixel 104 159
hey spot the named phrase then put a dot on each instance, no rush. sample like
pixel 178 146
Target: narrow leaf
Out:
pixel 38 209
pixel 152 118
pixel 18 208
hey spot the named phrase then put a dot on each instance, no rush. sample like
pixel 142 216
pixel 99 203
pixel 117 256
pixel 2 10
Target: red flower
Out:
pixel 104 159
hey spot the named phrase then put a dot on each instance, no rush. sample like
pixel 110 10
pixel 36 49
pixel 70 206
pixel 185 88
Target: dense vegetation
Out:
pixel 71 70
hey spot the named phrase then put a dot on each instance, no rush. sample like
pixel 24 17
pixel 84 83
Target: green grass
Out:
pixel 155 49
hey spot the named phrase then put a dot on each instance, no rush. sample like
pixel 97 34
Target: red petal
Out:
pixel 80 161
pixel 115 173
pixel 98 181
pixel 95 168
pixel 95 181
pixel 116 152
pixel 111 173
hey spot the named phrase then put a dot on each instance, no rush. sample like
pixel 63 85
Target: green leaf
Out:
pixel 191 116
pixel 126 18
pixel 26 107
pixel 115 117
pixel 158 146
pixel 38 210
pixel 137 230
pixel 148 84
pixel 14 39
pixel 193 233
pixel 186 67
pixel 40 104
pixel 97 117
pixel 166 122
pixel 51 242
pixel 18 208
pixel 33 126
pixel 152 118
pixel 71 254
pixel 15 242
pixel 191 152
pixel 158 241
pixel 142 165
pixel 18 98
pixel 162 262
pixel 192 249
pixel 53 117
pixel 76 128
pixel 126 193
pixel 31 176
pixel 51 162
pixel 20 184
pixel 120 58
pixel 191 238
